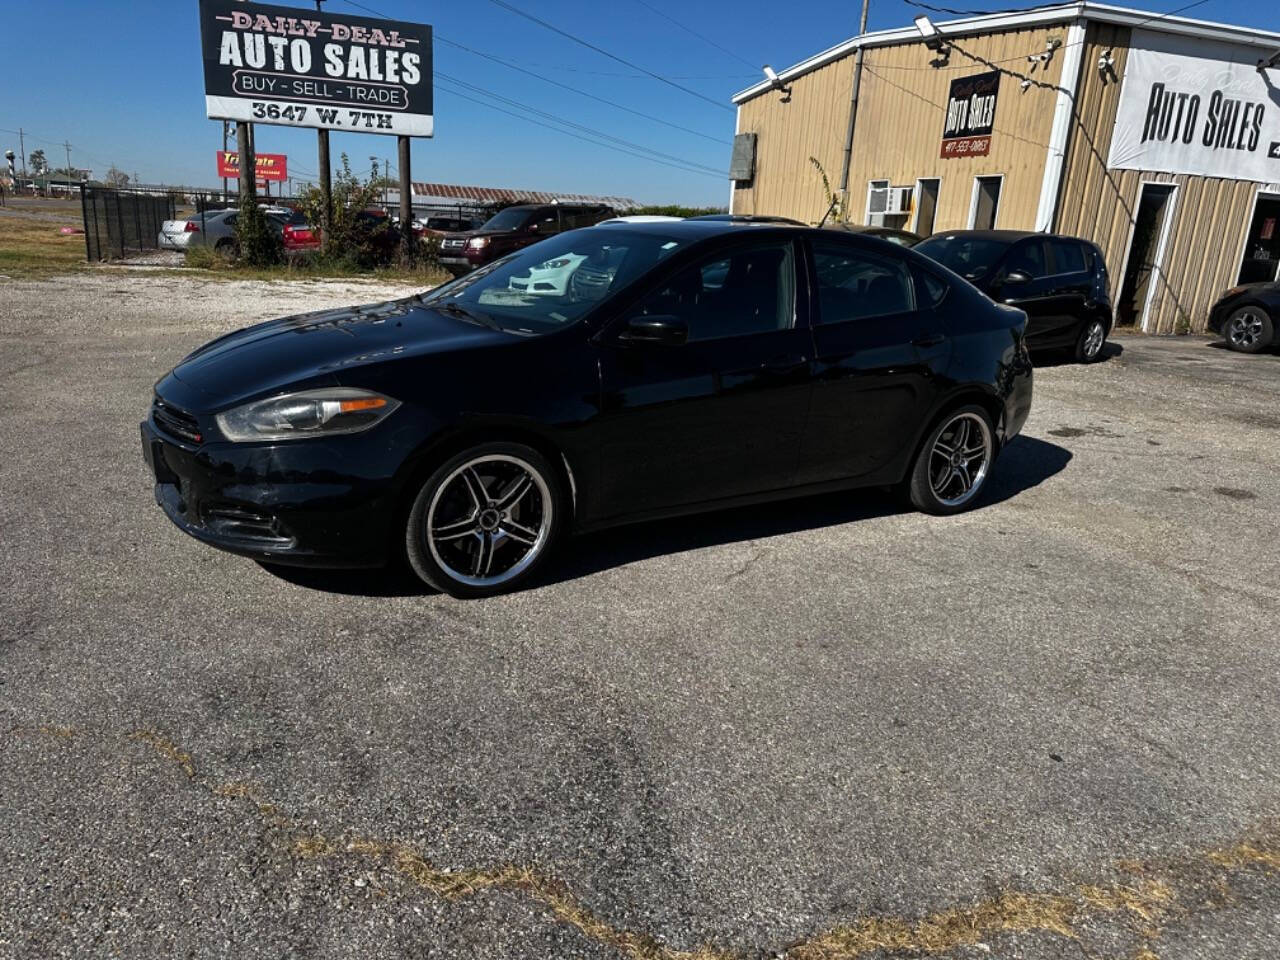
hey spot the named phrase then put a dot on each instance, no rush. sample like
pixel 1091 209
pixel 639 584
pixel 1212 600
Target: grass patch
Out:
pixel 220 266
pixel 34 249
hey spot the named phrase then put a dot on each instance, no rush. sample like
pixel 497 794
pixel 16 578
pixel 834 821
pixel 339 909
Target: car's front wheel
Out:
pixel 952 466
pixel 1249 330
pixel 484 520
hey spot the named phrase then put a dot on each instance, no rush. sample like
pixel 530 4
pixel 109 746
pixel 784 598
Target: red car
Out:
pixel 299 235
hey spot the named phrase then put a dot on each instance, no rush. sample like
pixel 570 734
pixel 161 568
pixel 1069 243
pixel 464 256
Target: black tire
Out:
pixel 1092 340
pixel 923 487
pixel 225 246
pixel 482 545
pixel 1249 329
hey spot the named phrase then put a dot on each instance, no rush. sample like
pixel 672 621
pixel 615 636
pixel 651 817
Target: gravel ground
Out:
pixel 1046 729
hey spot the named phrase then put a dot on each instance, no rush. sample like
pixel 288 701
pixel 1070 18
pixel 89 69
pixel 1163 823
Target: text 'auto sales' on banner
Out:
pixel 295 67
pixel 1196 106
pixel 971 115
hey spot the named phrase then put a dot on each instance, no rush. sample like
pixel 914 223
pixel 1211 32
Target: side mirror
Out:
pixel 1015 278
pixel 668 330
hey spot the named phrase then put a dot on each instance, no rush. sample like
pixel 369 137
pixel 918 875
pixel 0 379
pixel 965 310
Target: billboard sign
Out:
pixel 299 68
pixel 270 166
pixel 1196 106
pixel 971 115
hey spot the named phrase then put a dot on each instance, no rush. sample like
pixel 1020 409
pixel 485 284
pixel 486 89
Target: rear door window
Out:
pixel 856 285
pixel 1068 256
pixel 1028 257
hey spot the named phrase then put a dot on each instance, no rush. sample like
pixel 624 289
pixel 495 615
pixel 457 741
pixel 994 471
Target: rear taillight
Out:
pixel 192 227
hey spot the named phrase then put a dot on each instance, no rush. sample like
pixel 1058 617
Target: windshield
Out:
pixel 971 257
pixel 551 284
pixel 513 218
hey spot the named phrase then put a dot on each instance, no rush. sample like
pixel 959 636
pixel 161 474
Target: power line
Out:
pixel 612 56
pixel 568 133
pixel 577 126
pixel 689 30
pixel 591 96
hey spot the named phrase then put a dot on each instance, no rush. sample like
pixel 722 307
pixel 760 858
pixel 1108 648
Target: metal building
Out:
pixel 1157 137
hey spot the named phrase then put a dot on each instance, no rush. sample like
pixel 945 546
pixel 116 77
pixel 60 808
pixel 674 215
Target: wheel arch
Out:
pixel 963 395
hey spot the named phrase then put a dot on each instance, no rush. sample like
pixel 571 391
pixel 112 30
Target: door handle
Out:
pixel 928 340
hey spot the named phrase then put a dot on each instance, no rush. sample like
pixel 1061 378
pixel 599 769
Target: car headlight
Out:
pixel 307 413
pixel 478 243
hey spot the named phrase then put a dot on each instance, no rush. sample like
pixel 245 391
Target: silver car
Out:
pixel 216 229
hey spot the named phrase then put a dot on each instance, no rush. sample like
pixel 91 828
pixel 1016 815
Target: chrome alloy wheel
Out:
pixel 960 459
pixel 1094 338
pixel 1244 331
pixel 489 520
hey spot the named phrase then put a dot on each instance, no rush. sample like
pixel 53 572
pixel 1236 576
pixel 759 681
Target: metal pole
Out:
pixel 406 205
pixel 68 146
pixel 853 117
pixel 248 166
pixel 22 145
pixel 326 178
pixel 224 153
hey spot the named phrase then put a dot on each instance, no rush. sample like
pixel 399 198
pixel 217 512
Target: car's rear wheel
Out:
pixel 1092 339
pixel 952 466
pixel 484 520
pixel 1249 330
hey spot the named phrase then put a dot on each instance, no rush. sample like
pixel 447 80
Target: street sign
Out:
pixel 270 166
pixel 299 68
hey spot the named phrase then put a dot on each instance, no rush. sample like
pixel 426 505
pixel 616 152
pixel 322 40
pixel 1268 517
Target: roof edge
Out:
pixel 1100 12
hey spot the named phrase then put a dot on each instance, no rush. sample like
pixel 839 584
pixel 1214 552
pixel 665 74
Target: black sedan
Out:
pixel 679 367
pixel 1247 317
pixel 1061 282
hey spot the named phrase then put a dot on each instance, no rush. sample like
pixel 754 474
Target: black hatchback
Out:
pixel 657 369
pixel 1061 282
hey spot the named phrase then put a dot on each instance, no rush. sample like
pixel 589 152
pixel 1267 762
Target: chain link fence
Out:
pixel 121 223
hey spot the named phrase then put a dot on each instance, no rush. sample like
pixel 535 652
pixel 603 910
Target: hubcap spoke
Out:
pixel 455 531
pixel 475 487
pixel 519 533
pixel 515 492
pixel 483 561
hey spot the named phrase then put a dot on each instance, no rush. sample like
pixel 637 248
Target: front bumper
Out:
pixel 293 503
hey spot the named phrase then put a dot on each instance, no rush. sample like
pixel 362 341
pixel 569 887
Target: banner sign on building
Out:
pixel 1196 106
pixel 271 166
pixel 971 115
pixel 296 67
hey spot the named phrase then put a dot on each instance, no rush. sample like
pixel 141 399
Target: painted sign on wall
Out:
pixel 1195 106
pixel 300 68
pixel 971 115
pixel 271 166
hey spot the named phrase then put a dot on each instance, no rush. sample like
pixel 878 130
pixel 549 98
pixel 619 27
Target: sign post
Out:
pixel 406 205
pixel 244 145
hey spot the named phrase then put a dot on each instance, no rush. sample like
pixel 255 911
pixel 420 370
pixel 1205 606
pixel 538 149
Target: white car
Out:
pixel 550 278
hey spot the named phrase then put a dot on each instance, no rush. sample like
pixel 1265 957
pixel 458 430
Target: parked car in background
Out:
pixel 746 218
pixel 1061 282
pixel 1247 317
pixel 300 237
pixel 468 428
pixel 514 229
pixel 442 226
pixel 903 238
pixel 216 229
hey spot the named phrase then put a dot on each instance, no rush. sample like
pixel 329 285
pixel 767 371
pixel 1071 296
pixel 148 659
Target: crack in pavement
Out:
pixel 1152 896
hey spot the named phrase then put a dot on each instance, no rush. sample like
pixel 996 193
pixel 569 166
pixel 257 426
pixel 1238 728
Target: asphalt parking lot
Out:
pixel 1049 728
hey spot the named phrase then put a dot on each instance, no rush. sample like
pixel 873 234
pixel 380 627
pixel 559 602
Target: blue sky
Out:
pixel 123 82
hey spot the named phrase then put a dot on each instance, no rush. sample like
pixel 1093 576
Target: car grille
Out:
pixel 175 422
pixel 591 283
pixel 453 244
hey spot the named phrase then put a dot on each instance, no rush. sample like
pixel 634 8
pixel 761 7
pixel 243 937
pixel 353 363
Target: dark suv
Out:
pixel 513 229
pixel 1061 282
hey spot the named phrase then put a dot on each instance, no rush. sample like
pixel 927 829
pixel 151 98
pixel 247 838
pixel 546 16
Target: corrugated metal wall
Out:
pixel 900 119
pixel 1210 216
pixel 812 124
pixel 901 116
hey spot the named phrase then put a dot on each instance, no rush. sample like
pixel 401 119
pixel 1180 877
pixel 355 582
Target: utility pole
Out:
pixel 853 117
pixel 22 147
pixel 67 144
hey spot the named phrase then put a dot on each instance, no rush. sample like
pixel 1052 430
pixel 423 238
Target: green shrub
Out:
pixel 258 244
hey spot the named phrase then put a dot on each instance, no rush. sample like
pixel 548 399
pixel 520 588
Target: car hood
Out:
pixel 468 234
pixel 315 348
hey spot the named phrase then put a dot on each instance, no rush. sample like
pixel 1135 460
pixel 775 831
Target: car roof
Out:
pixel 692 230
